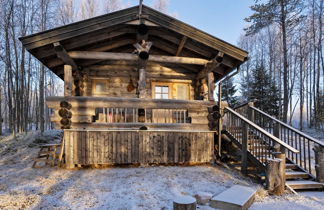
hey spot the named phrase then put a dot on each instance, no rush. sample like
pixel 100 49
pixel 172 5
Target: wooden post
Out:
pixel 211 85
pixel 280 153
pixel 245 136
pixel 184 203
pixel 220 121
pixel 250 112
pixel 142 83
pixel 319 163
pixel 68 80
pixel 274 182
pixel 68 148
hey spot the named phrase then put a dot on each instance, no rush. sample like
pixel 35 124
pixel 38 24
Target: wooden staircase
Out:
pixel 49 154
pixel 262 144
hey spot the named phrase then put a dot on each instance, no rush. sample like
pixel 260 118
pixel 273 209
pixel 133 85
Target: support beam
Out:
pixel 142 49
pixel 62 54
pixel 181 45
pixel 212 66
pixel 211 85
pixel 68 80
pixel 129 56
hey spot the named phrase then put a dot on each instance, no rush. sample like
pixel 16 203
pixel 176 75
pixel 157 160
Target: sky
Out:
pixel 221 18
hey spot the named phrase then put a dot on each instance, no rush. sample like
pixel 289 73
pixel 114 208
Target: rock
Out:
pixel 203 197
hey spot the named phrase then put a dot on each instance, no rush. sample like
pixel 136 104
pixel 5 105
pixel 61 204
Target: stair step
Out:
pixel 291 166
pixel 304 184
pixel 42 160
pixel 46 153
pixel 296 175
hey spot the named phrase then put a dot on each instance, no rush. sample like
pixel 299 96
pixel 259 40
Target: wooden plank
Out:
pixel 130 149
pixel 140 149
pixel 236 197
pixel 165 148
pixel 176 147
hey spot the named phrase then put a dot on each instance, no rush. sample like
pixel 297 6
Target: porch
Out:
pixel 116 131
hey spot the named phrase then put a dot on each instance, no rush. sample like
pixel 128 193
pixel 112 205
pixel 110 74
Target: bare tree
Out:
pixel 161 5
pixel 112 5
pixel 88 9
pixel 66 11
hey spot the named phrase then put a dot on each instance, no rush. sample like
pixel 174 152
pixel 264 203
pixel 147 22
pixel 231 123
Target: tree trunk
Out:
pixel 285 61
pixel 184 203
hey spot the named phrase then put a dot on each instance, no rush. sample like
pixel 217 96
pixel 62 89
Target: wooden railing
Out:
pixel 291 136
pixel 135 115
pixel 254 139
pixel 104 112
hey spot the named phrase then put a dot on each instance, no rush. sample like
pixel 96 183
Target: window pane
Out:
pixel 165 96
pixel 158 96
pixel 165 89
pixel 100 87
pixel 158 89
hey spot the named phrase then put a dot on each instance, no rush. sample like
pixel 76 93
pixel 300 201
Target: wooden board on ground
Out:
pixel 236 197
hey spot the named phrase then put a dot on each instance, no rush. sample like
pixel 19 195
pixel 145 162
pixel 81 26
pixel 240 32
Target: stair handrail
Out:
pixel 288 126
pixel 277 140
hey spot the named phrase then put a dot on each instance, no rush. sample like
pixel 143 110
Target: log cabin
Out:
pixel 139 89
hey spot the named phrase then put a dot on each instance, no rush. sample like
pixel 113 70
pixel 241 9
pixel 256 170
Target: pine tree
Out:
pixel 264 91
pixel 228 92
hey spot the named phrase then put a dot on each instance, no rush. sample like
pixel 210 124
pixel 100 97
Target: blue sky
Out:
pixel 221 18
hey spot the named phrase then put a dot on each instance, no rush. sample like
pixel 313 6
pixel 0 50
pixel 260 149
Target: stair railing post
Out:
pixel 319 163
pixel 245 136
pixel 280 153
pixel 250 111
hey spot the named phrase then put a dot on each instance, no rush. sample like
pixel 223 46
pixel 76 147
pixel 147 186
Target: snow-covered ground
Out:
pixel 118 188
pixel 317 134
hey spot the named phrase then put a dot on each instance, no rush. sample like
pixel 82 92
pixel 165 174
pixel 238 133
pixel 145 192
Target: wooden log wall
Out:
pixel 119 79
pixel 137 147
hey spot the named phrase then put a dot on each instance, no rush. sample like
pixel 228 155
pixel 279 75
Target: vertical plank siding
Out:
pixel 137 147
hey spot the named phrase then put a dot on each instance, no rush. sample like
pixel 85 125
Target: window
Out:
pixel 162 92
pixel 99 86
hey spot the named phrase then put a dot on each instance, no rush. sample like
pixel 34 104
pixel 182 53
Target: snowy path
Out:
pixel 119 188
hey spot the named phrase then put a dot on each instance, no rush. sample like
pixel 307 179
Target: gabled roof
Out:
pixel 116 32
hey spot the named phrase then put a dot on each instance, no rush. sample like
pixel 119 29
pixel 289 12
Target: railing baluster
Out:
pixel 309 158
pixel 304 152
pixel 125 110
